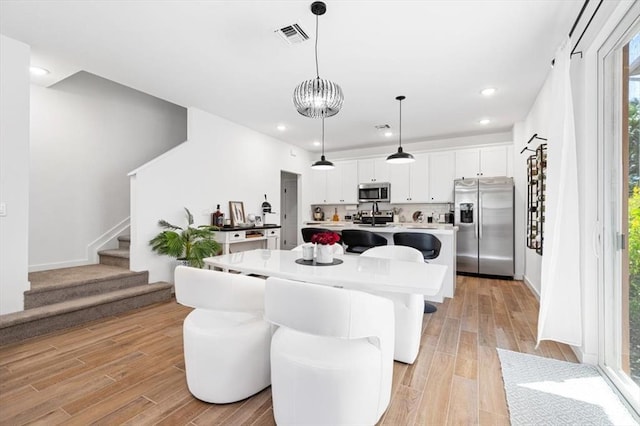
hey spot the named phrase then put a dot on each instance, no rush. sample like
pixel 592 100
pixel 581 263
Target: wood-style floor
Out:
pixel 129 369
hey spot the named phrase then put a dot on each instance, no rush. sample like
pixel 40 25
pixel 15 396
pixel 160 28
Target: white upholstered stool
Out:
pixel 226 339
pixel 332 355
pixel 408 308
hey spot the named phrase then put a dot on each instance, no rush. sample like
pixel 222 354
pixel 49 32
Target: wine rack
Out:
pixel 536 189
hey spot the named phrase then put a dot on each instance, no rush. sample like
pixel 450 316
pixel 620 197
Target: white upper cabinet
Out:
pixel 373 170
pixel 318 186
pixel 494 161
pixel 441 174
pixel 478 162
pixel 342 183
pixel 409 182
pixel 419 179
pixel 467 163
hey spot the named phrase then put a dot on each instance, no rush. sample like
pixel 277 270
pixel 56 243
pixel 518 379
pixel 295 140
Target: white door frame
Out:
pixel 610 202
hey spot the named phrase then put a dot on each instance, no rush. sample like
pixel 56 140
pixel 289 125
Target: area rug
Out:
pixel 543 391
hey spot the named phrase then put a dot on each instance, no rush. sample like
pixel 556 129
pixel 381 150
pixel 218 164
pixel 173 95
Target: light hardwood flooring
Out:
pixel 130 369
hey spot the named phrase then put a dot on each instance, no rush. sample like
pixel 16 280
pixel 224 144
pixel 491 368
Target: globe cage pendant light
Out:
pixel 400 157
pixel 318 97
pixel 323 163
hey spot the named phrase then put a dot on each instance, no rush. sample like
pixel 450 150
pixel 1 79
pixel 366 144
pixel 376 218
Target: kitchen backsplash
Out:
pixel 406 211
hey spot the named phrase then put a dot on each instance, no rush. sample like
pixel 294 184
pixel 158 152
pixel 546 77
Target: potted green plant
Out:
pixel 190 244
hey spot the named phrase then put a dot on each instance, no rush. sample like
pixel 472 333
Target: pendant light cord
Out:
pixel 317 72
pixel 400 132
pixel 323 136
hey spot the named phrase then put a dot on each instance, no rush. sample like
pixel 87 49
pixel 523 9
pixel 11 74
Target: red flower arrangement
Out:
pixel 325 238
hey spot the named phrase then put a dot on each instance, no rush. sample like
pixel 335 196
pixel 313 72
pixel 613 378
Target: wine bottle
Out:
pixel 218 218
pixel 335 217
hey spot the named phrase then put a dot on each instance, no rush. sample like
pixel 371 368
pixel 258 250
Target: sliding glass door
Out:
pixel 620 204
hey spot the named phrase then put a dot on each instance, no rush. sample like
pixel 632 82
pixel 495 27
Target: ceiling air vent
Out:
pixel 292 34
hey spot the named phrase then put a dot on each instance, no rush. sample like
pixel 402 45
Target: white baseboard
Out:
pixel 59 265
pixel 531 287
pixel 584 358
pixel 92 249
pixel 99 243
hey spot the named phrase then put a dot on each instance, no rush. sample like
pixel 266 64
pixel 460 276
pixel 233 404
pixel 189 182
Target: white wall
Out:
pixel 14 172
pixel 537 121
pixel 87 133
pixel 584 81
pixel 221 162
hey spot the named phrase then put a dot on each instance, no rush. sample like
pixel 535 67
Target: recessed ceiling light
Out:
pixel 38 71
pixel 488 91
pixel 388 134
pixel 485 121
pixel 316 143
pixel 282 127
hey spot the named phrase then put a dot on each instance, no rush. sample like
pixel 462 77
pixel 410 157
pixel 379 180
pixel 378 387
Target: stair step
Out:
pixel 115 257
pixel 124 241
pixel 59 285
pixel 29 323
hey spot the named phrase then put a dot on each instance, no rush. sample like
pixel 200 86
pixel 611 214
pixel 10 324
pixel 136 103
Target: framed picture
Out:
pixel 258 220
pixel 236 211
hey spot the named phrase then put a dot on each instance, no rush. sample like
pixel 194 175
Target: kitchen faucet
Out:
pixel 374 210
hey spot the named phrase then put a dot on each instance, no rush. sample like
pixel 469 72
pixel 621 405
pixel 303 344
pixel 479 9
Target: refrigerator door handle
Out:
pixel 479 216
pixel 475 220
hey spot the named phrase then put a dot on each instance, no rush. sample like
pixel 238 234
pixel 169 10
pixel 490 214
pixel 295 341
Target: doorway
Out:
pixel 288 210
pixel 620 206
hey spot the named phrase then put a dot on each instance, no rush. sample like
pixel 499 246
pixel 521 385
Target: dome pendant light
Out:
pixel 323 163
pixel 400 157
pixel 318 97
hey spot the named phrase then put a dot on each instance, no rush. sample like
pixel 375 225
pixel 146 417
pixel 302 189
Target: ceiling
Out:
pixel 225 58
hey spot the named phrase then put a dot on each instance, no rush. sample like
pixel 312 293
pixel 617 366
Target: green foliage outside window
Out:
pixel 634 235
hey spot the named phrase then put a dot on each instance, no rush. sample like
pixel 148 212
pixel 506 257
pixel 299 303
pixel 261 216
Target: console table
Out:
pixel 268 234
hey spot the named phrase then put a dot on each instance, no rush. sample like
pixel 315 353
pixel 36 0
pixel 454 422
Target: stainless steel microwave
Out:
pixel 379 191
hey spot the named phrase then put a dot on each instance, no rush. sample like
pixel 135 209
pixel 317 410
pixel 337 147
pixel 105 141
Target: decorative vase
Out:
pixel 324 253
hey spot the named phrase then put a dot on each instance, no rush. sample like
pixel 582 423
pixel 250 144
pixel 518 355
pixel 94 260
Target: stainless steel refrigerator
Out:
pixel 484 216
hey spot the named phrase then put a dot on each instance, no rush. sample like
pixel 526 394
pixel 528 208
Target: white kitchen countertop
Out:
pixel 446 233
pixel 435 228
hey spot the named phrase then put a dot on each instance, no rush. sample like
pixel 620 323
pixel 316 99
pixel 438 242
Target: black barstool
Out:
pixel 359 241
pixel 429 245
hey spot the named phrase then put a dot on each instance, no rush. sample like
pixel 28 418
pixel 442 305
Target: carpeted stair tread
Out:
pixel 73 305
pixel 37 321
pixel 77 275
pixel 119 252
pixel 124 241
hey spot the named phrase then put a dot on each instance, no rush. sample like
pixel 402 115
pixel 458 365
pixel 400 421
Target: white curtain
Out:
pixel 560 316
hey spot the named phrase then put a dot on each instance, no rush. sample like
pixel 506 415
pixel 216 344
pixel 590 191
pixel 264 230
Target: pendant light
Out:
pixel 323 163
pixel 400 157
pixel 318 97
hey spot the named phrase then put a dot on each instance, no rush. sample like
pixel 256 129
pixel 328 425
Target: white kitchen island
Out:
pixel 447 235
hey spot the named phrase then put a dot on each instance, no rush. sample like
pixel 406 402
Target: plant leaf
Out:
pixel 189 217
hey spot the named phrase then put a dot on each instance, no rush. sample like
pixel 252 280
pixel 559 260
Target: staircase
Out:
pixel 64 298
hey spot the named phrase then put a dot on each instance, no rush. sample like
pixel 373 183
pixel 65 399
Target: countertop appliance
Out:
pixel 378 191
pixel 382 217
pixel 318 214
pixel 484 214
